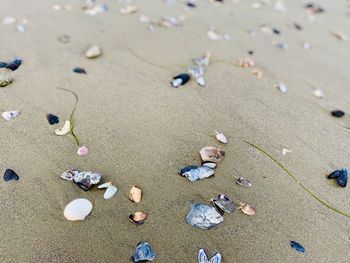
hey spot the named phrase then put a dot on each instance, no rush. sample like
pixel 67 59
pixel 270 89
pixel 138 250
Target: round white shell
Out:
pixel 65 129
pixel 78 209
pixel 93 52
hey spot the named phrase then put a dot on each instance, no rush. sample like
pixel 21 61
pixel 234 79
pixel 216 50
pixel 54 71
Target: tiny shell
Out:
pixel 257 72
pixel 7 20
pixel 10 175
pixel 138 218
pixel 221 137
pixel 318 93
pixel 129 9
pixel 244 182
pixel 211 165
pixel 93 52
pixel 78 209
pixel 285 151
pixel 297 246
pixel 135 194
pixel 83 150
pixel 282 87
pixel 248 210
pixel 5 80
pixel 212 154
pixel 105 185
pixel 68 175
pixel 111 190
pixel 9 115
pixel 245 62
pixel 340 35
pixel 64 130
pixel 52 119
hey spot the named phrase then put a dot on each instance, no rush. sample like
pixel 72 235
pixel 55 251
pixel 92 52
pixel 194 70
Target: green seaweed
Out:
pixel 76 140
pixel 297 181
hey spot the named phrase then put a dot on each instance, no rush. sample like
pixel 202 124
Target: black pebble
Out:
pixel 10 175
pixel 79 70
pixel 338 113
pixel 52 119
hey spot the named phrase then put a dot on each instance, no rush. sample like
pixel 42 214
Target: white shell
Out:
pixel 282 87
pixel 285 151
pixel 93 52
pixel 111 190
pixel 64 130
pixel 9 115
pixel 105 185
pixel 78 209
pixel 318 93
pixel 221 137
pixel 129 9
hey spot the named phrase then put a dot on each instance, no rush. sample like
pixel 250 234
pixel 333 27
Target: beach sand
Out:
pixel 141 131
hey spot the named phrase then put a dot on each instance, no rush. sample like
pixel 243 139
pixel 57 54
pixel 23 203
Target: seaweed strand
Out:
pixel 298 182
pixel 76 140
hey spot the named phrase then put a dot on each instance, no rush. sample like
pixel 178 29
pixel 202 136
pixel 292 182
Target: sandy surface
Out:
pixel 141 131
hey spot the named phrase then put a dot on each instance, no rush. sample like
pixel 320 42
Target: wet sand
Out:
pixel 141 131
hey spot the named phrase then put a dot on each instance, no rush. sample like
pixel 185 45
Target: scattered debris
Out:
pixel 10 175
pixel 297 246
pixel 52 119
pixel 9 115
pixel 78 209
pixel 194 173
pixel 203 216
pixel 144 252
pixel 203 257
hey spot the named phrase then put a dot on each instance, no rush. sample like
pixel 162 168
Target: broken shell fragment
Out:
pixel 64 130
pixel 194 173
pixel 78 209
pixel 337 113
pixel 341 176
pixel 82 150
pixel 110 191
pixel 138 218
pixel 180 79
pixel 221 137
pixel 85 179
pixel 9 115
pixel 52 119
pixel 5 80
pixel 212 154
pixel 93 52
pixel 203 216
pixel 129 9
pixel 144 252
pixel 211 165
pixel 10 175
pixel 223 204
pixel 243 182
pixel 247 209
pixel 135 194
pixel 104 185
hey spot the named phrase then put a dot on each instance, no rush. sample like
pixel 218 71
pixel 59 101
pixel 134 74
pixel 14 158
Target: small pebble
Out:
pixel 337 113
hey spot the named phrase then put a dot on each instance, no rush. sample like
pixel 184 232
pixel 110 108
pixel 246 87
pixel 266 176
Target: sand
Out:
pixel 141 131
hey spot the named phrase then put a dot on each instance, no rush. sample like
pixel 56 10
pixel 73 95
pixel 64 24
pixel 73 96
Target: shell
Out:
pixel 93 52
pixel 129 9
pixel 194 173
pixel 221 137
pixel 337 113
pixel 82 150
pixel 203 257
pixel 10 175
pixel 111 190
pixel 13 65
pixel 285 151
pixel 211 165
pixel 297 246
pixel 212 154
pixel 223 204
pixel 135 194
pixel 79 70
pixel 318 93
pixel 138 218
pixel 282 87
pixel 180 79
pixel 105 185
pixel 5 80
pixel 78 209
pixel 340 35
pixel 244 182
pixel 245 62
pixel 9 115
pixel 203 216
pixel 64 130
pixel 85 179
pixel 248 210
pixel 68 175
pixel 52 119
pixel 342 179
pixel 144 252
